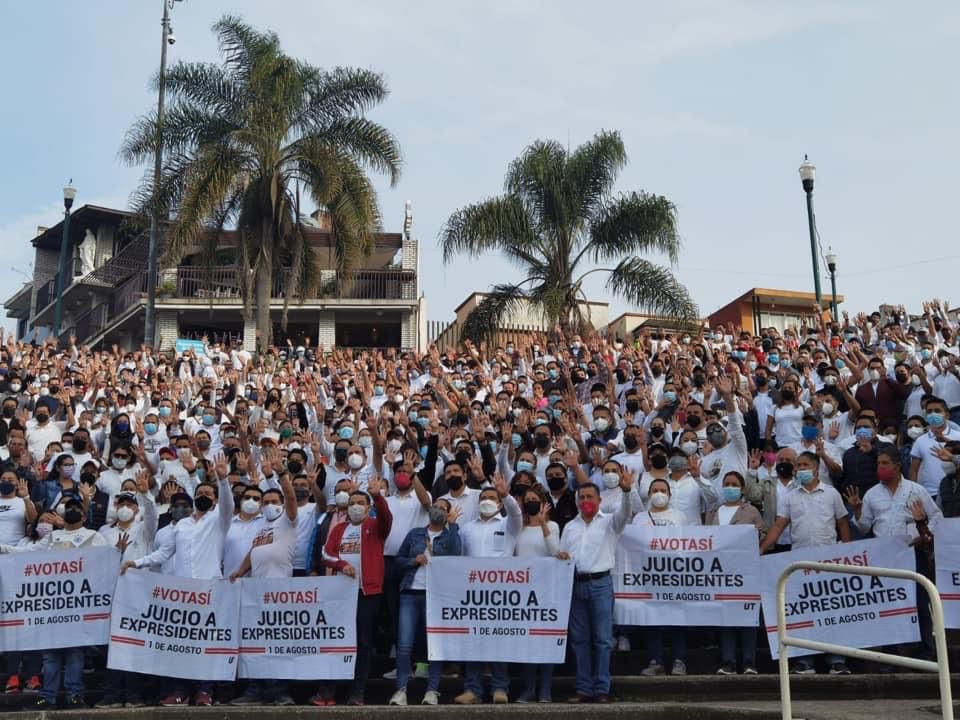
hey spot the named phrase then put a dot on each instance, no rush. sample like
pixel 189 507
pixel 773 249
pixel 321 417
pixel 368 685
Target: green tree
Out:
pixel 556 216
pixel 240 139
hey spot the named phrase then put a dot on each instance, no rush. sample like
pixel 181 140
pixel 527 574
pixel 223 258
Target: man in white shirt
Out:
pixel 244 527
pixel 41 431
pixel 925 467
pixel 729 451
pixel 490 535
pixel 690 495
pixel 590 540
pixel 465 499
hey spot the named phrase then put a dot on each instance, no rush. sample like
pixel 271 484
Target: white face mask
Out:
pixel 828 409
pixel 356 513
pixel 342 498
pixel 601 424
pixel 272 512
pixel 914 431
pixel 355 461
pixel 874 375
pixel 830 380
pixel 659 500
pixel 394 445
pixel 610 480
pixel 250 506
pixel 892 439
pixel 125 514
pixel 689 447
pixel 365 441
pixel 488 508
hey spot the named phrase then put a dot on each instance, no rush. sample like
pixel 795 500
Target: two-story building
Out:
pixel 376 304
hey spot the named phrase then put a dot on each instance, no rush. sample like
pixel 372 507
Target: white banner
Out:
pixel 498 609
pixel 298 628
pixel 854 610
pixel 947 561
pixel 175 627
pixel 689 576
pixel 56 599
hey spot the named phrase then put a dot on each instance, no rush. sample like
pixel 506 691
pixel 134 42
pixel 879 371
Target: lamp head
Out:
pixel 69 193
pixel 808 172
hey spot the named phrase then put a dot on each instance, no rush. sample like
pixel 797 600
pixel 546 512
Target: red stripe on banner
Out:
pixel 220 651
pixel 633 596
pixel 338 650
pixel 546 631
pixel 449 630
pixel 128 640
pixel 792 626
pixel 11 623
pixel 898 611
pixel 950 596
pixel 96 616
pixel 720 596
pixel 253 650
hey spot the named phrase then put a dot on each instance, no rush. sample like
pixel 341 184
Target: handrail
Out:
pixel 941 666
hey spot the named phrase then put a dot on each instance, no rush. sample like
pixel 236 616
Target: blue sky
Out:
pixel 717 102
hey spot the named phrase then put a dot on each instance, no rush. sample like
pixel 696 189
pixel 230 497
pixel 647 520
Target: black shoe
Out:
pixel 74 702
pixel 42 703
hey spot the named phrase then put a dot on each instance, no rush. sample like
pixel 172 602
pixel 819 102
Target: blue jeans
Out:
pixel 473 679
pixel 411 623
pixel 65 664
pixel 748 645
pixel 531 673
pixel 591 634
pixel 678 639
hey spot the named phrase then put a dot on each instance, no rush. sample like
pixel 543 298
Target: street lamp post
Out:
pixel 808 172
pixel 149 325
pixel 832 267
pixel 69 193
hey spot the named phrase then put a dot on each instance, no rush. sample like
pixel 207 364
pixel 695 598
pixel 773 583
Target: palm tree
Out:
pixel 556 215
pixel 241 138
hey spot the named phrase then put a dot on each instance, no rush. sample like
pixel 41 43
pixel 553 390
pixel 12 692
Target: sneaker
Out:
pixel 391 675
pixel 134 701
pixel 399 698
pixel 545 699
pixel 247 698
pixel 34 684
pixel 679 668
pixel 41 703
pixel 431 697
pixel 284 700
pixel 524 698
pixel 839 668
pixel 749 670
pixel 421 671
pixel 802 668
pixel 202 699
pixel 355 701
pixel 74 702
pixel 500 697
pixel 13 685
pixel 654 669
pixel 467 698
pixel 173 699
pixel 109 702
pixel 318 700
pixel 623 644
pixel 727 669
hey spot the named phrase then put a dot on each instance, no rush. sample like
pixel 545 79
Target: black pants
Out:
pixel 367 606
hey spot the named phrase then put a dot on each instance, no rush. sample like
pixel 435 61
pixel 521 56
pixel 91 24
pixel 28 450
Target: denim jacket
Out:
pixel 415 543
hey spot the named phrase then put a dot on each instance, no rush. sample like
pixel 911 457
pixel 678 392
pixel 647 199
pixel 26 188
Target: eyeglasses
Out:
pixel 251 497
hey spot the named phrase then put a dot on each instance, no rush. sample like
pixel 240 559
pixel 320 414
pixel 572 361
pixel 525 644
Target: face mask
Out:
pixel 437 515
pixel 454 482
pixel 524 466
pixel 123 426
pixel 377 390
pixel 72 516
pixel 950 466
pixel 588 508
pixel 659 462
pixel 356 513
pixel 630 442
pixel 809 433
pixel 488 508
pixel 863 433
pixel 44 529
pixel 885 473
pixel 271 512
pixel 42 418
pixel 830 380
pixel 694 421
pixel 342 498
pixel 125 514
pixel 690 447
pixel 772 382
pixel 788 395
pixel 892 439
pixel 340 454
pixel 355 461
pixel 15 387
pixel 611 480
pixel 805 477
pixel 717 438
pixel 935 420
pixel 164 411
pixel 601 424
pixel 541 441
pixel 556 483
pixel 784 469
pixel 208 420
pixel 7 487
pixel 914 431
pixel 67 471
pixel 345 433
pixel 659 499
pixel 828 409
pixel 670 396
pixel 203 503
pixel 731 494
pixel 250 506
pixel 402 480
pixel 44 391
pixel 423 422
pixel 874 375
pixel 394 445
pixel 79 444
pixel 203 444
pixel 119 463
pixel 179 512
pixel 677 464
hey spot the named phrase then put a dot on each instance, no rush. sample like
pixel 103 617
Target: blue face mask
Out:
pixel 201 474
pixel 810 433
pixel 345 433
pixel 935 420
pixel 539 421
pixel 557 413
pixel 785 362
pixel 164 411
pixel 773 359
pixel 423 452
pixel 493 446
pixel 805 477
pixel 524 466
pixel 423 422
pixel 150 428
pixel 208 420
pixel 925 354
pixel 516 439
pixel 377 390
pixel 670 396
pixel 840 364
pixel 554 399
pixel 731 494
pixel 123 426
pixel 554 374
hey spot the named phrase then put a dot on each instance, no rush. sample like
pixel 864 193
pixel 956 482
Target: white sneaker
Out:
pixel 399 698
pixel 679 668
pixel 623 644
pixel 421 671
pixel 392 675
pixel 431 697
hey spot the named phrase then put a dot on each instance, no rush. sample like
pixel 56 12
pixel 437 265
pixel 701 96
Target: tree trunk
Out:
pixel 264 289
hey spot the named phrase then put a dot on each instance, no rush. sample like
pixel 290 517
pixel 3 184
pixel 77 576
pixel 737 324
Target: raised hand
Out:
pixel 852 494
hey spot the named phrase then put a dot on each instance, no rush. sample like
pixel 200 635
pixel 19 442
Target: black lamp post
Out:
pixel 808 172
pixel 69 193
pixel 832 267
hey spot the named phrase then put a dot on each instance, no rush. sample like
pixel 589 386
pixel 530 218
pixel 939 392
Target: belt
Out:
pixel 584 577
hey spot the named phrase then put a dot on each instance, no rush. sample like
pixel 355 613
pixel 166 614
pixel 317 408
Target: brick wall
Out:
pixel 168 329
pixel 250 335
pixel 327 329
pixel 408 330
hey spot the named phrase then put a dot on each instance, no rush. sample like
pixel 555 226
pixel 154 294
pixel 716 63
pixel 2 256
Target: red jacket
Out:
pixel 373 534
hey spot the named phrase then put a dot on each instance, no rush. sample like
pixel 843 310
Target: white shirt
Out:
pixel 13 520
pixel 947 387
pixel 307 520
pixel 532 543
pixel 787 424
pixel 691 497
pixel 813 514
pixel 732 457
pixel 832 451
pixel 271 554
pixel 407 513
pixel 664 518
pixel 165 542
pixel 593 545
pixel 39 437
pixel 889 514
pixel 930 472
pixel 237 543
pixel 495 536
pixel 468 504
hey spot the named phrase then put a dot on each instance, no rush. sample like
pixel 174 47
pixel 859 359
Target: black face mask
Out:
pixel 784 469
pixel 693 420
pixel 203 503
pixel 42 418
pixel 339 402
pixel 659 462
pixel 8 412
pixel 630 442
pixel 787 394
pixel 556 483
pixel 454 482
pixel 463 418
pixel 72 516
pixel 340 454
pixel 542 441
pixel 463 457
pixel 761 381
pixel 622 376
pixel 301 493
pixel 656 431
pixel 633 406
pixel 7 487
pixel 79 444
pixel 532 507
pixel 88 477
pixel 519 490
pixel 295 466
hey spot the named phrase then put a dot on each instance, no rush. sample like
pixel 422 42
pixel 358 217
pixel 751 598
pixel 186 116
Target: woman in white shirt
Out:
pixel 540 537
pixel 786 420
pixel 735 510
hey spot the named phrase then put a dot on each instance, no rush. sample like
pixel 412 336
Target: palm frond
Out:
pixel 338 93
pixel 634 224
pixel 592 170
pixel 651 288
pixel 490 313
pixel 500 223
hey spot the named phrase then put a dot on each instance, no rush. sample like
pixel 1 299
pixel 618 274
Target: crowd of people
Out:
pixel 314 461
